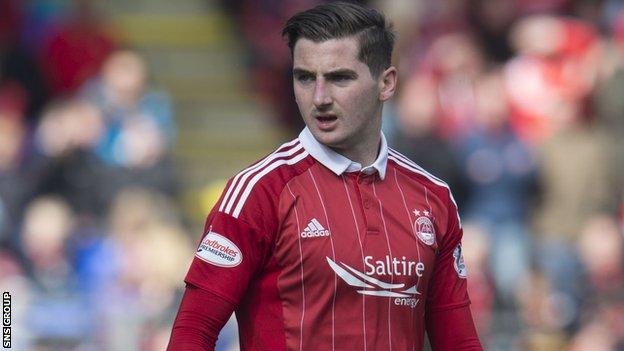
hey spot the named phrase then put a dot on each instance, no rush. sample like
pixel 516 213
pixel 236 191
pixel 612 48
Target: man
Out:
pixel 334 241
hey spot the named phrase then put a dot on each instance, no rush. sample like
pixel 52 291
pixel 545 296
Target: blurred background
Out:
pixel 120 122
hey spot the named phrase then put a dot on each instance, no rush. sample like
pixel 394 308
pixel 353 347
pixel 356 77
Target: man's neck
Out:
pixel 365 153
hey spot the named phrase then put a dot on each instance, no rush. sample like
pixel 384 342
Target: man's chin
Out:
pixel 327 138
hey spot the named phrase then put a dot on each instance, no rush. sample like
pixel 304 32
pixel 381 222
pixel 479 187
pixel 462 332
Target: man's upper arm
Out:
pixel 227 257
pixel 448 288
pixel 234 247
pixel 232 250
pixel 448 319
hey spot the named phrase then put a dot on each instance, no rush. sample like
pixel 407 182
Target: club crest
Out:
pixel 424 227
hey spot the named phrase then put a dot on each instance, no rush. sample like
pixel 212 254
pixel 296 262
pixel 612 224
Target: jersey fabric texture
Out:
pixel 318 253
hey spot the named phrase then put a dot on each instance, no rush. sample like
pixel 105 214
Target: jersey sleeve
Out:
pixel 234 246
pixel 448 288
pixel 452 330
pixel 200 318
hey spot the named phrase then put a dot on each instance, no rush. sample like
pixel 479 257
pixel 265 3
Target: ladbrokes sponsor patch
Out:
pixel 219 250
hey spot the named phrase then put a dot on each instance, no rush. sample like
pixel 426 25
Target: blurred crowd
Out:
pixel 92 243
pixel 517 104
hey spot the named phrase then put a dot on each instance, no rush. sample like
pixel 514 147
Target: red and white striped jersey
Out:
pixel 320 254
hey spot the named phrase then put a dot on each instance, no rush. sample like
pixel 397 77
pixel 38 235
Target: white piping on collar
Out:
pixel 338 163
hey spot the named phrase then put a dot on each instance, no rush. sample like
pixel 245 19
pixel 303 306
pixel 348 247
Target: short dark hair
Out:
pixel 342 19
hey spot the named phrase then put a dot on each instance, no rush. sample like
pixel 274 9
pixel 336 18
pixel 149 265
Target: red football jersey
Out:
pixel 320 254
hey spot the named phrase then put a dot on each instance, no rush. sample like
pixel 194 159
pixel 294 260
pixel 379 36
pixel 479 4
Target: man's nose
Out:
pixel 322 96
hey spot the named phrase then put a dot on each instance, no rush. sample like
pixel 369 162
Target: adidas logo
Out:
pixel 314 229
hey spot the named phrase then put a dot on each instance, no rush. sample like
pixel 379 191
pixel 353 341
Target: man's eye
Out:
pixel 305 78
pixel 339 78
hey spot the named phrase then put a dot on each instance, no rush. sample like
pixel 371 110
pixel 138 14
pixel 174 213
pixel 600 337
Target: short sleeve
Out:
pixel 448 287
pixel 233 249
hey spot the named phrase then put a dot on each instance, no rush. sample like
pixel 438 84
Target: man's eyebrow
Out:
pixel 341 72
pixel 330 74
pixel 300 71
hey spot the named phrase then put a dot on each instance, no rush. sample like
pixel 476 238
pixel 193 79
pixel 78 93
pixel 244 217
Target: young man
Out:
pixel 334 241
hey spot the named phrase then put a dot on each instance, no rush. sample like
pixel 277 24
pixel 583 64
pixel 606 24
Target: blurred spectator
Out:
pixel 68 133
pixel 595 335
pixel 574 176
pixel 48 223
pixel 416 134
pixel 501 173
pixel 452 63
pixel 609 106
pixel 57 315
pixel 151 256
pixel 68 125
pixel 440 18
pixel 135 215
pixel 21 83
pixel 574 183
pixel 75 49
pixel 17 182
pixel 145 154
pixel 545 313
pixel 601 248
pixel 139 126
pixel 556 65
pixel 492 21
pixel 21 80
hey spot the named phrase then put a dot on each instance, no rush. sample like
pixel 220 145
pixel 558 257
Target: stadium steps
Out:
pixel 195 56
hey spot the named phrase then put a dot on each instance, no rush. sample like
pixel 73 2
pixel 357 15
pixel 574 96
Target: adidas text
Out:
pixel 314 230
pixel 314 233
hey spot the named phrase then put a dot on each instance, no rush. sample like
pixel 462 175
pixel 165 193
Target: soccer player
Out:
pixel 334 241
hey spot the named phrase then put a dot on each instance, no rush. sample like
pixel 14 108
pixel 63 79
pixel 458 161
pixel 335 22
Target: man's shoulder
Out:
pixel 264 178
pixel 416 173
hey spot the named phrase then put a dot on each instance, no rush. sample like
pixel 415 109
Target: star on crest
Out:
pixel 416 212
pixel 426 212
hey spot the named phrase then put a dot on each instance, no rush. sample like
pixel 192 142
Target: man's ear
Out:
pixel 387 83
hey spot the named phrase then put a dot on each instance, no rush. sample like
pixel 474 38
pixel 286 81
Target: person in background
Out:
pixel 501 172
pixel 138 122
pixel 75 48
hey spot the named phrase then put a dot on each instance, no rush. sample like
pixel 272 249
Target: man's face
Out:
pixel 338 98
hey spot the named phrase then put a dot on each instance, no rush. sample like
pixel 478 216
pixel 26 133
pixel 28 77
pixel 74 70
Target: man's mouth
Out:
pixel 328 118
pixel 326 122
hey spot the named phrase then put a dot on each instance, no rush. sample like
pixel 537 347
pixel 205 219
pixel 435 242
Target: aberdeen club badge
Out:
pixel 424 227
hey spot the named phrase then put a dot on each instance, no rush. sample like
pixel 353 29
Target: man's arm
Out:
pixel 447 317
pixel 232 250
pixel 200 318
pixel 452 329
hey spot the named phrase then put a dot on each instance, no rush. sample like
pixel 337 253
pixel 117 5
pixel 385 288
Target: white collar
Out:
pixel 338 163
